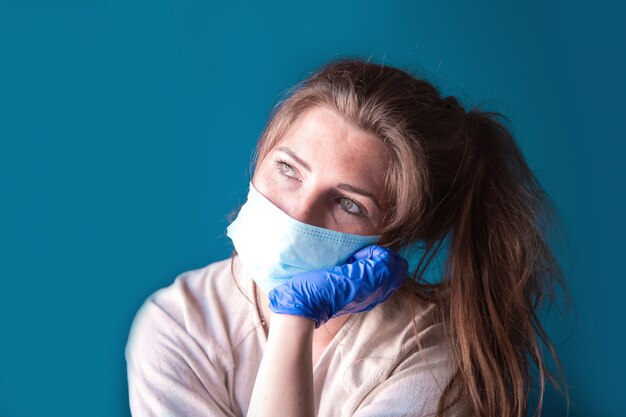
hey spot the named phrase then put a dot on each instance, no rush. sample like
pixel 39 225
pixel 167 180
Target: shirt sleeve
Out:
pixel 169 374
pixel 413 388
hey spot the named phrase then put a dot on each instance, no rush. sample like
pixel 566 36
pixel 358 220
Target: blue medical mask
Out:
pixel 274 247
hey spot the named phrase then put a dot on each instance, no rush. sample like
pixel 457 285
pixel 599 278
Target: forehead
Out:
pixel 337 150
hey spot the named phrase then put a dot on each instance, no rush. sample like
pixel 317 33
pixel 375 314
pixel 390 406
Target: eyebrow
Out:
pixel 360 191
pixel 343 186
pixel 294 156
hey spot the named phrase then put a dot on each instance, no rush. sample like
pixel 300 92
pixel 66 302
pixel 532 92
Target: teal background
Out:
pixel 126 129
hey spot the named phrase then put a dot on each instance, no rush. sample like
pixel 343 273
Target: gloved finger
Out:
pixel 395 263
pixel 368 252
pixel 377 277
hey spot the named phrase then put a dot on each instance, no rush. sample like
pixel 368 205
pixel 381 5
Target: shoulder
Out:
pixel 208 307
pixel 179 349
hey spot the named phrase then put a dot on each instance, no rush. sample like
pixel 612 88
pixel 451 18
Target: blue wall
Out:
pixel 126 130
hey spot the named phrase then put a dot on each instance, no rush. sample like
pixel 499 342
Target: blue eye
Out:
pixel 350 206
pixel 285 169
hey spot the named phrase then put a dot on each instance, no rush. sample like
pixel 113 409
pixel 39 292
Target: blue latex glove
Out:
pixel 368 278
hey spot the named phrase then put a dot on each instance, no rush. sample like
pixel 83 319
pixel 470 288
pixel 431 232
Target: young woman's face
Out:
pixel 327 173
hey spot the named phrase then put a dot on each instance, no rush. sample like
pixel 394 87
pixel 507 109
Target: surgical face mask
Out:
pixel 274 247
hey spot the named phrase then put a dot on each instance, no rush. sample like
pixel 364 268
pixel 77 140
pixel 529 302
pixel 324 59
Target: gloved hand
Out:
pixel 368 278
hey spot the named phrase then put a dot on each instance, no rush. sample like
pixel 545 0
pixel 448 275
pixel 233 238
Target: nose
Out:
pixel 306 207
pixel 306 204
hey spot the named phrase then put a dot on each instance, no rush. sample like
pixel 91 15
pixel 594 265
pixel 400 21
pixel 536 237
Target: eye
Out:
pixel 351 206
pixel 285 169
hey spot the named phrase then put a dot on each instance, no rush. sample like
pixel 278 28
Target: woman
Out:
pixel 315 315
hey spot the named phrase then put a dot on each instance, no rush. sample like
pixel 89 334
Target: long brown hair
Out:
pixel 460 174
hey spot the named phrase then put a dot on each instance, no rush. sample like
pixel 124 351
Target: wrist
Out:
pixel 292 323
pixel 292 329
pixel 281 306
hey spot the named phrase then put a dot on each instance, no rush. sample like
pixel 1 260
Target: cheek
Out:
pixel 266 181
pixel 262 178
pixel 269 177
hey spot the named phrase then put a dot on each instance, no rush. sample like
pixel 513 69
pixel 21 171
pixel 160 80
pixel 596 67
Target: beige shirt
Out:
pixel 195 347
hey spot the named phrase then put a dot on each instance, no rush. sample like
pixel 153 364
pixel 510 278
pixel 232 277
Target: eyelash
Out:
pixel 279 163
